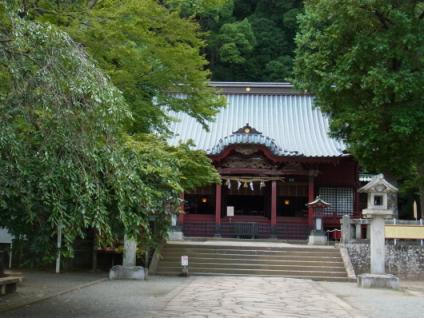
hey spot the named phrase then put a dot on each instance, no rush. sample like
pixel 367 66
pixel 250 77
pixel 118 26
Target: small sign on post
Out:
pixel 184 264
pixel 230 212
pixel 184 260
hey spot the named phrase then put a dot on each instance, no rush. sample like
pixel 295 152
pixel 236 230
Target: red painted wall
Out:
pixel 340 174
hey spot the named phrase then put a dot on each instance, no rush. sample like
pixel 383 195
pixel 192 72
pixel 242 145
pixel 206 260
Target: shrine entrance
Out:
pixel 247 198
pixel 259 196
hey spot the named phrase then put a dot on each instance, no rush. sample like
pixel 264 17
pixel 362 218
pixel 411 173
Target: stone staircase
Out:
pixel 317 263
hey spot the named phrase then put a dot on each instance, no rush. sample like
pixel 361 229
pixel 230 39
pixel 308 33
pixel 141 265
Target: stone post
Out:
pixel 130 251
pixel 358 230
pixel 377 245
pixel 128 269
pixel 175 233
pixel 346 229
pixel 368 230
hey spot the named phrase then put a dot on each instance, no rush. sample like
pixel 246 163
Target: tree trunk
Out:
pixel 146 263
pixel 94 252
pixel 421 205
pixel 420 178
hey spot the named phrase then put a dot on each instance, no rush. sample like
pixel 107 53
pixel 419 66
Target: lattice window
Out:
pixel 341 200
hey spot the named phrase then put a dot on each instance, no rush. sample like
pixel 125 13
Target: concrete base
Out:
pixel 8 284
pixel 378 281
pixel 175 235
pixel 317 238
pixel 127 272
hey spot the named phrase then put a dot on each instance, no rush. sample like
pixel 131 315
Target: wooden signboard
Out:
pixel 404 231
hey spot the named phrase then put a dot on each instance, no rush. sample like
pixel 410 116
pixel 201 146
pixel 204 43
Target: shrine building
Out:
pixel 272 149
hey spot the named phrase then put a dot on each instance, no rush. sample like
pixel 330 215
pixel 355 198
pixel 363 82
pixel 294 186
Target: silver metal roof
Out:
pixel 252 84
pixel 365 177
pixel 289 124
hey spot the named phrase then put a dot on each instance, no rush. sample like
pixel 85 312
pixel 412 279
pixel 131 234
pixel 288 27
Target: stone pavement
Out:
pixel 210 296
pixel 228 297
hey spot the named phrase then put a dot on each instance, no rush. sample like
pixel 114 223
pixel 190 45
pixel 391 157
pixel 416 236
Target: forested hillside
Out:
pixel 253 40
pixel 247 40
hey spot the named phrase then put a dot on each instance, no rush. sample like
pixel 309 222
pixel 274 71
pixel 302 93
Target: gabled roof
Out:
pixel 318 203
pixel 289 123
pixel 378 184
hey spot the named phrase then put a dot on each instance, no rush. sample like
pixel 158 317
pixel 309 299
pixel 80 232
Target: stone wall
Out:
pixel 403 260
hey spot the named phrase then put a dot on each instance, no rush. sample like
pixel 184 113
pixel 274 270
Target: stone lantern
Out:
pixel 317 236
pixel 379 208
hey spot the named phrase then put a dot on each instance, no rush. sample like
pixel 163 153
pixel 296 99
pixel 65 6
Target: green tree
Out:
pixel 149 52
pixel 60 119
pixel 235 41
pixel 363 60
pixel 267 26
pixel 66 157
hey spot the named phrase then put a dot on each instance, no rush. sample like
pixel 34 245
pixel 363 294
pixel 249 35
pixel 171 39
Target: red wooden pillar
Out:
pixel 273 203
pixel 218 199
pixel 181 215
pixel 357 213
pixel 311 197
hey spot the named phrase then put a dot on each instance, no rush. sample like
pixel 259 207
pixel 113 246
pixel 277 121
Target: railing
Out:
pixel 247 230
pixel 394 229
pixel 334 234
pixel 199 229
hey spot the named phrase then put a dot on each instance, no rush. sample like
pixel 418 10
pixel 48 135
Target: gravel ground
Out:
pixel 41 285
pixel 101 299
pixel 408 302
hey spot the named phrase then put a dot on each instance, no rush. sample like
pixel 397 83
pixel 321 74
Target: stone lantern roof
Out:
pixel 379 191
pixel 318 203
pixel 378 184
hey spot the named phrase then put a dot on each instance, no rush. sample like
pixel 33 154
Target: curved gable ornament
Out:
pixel 249 136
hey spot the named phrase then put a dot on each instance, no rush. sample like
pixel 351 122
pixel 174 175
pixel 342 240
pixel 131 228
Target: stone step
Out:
pixel 296 262
pixel 253 271
pixel 177 255
pixel 250 249
pixel 194 265
pixel 264 260
pixel 331 278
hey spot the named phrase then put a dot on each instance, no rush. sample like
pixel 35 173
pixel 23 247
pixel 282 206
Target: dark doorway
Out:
pixel 247 205
pixel 200 201
pixel 292 199
pixel 246 201
pixel 291 206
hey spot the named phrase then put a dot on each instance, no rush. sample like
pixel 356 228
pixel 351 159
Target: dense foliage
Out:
pixel 75 150
pixel 147 50
pixel 363 60
pixel 247 40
